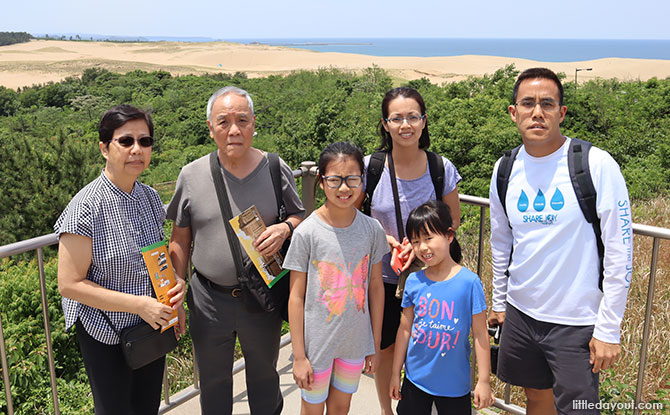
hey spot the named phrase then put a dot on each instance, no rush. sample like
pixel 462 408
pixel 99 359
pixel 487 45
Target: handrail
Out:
pixel 308 173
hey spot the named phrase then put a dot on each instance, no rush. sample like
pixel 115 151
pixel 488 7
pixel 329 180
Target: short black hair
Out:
pixel 434 217
pixel 538 73
pixel 405 92
pixel 115 117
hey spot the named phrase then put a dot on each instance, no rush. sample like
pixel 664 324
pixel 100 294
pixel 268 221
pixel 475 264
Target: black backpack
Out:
pixel 376 167
pixel 580 176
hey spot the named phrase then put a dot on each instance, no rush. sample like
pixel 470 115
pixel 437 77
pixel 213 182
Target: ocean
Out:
pixel 544 50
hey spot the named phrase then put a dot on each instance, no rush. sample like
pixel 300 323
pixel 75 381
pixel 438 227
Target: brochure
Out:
pixel 248 225
pixel 162 275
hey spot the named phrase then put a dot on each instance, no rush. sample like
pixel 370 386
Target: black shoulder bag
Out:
pixel 141 344
pixel 255 292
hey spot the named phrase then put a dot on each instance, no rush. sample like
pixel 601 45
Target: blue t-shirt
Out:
pixel 438 355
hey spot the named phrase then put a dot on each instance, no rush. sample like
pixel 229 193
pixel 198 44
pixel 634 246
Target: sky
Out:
pixel 243 19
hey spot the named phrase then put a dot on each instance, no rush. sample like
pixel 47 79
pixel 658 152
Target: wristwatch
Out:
pixel 290 228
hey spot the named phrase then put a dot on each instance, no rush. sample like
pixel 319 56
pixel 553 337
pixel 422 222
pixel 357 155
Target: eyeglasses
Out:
pixel 412 120
pixel 335 182
pixel 528 105
pixel 128 141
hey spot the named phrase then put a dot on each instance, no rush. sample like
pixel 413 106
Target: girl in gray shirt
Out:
pixel 337 293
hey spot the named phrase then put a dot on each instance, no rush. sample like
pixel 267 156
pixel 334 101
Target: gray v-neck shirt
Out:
pixel 195 204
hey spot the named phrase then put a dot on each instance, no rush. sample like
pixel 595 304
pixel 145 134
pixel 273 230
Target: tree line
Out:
pixel 10 38
pixel 48 133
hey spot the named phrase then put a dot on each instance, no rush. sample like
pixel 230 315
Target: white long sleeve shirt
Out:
pixel 554 270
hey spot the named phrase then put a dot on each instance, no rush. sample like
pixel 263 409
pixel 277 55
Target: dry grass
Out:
pixel 655 212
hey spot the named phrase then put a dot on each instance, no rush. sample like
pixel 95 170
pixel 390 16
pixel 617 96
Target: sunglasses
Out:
pixel 127 141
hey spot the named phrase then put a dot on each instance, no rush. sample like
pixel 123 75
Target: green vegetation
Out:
pixel 48 151
pixel 48 135
pixel 10 38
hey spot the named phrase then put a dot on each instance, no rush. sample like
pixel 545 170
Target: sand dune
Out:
pixel 41 61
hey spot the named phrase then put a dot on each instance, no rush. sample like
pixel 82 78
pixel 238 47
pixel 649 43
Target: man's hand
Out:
pixel 603 355
pixel 496 318
pixel 271 240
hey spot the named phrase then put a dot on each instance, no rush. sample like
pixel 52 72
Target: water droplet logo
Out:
pixel 522 205
pixel 539 201
pixel 557 200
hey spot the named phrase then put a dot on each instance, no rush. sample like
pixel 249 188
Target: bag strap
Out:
pixel 372 176
pixel 436 167
pixel 226 211
pixel 504 172
pixel 580 176
pixel 396 198
pixel 275 175
pixel 109 321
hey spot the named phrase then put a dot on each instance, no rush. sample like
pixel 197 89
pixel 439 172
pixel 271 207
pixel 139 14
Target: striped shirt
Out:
pixel 119 225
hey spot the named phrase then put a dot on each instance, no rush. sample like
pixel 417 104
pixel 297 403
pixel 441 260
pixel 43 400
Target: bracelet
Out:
pixel 290 228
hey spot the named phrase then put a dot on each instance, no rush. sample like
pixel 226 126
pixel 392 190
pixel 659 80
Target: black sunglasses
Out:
pixel 127 141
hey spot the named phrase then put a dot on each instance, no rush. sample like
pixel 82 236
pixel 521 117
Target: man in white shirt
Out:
pixel 560 328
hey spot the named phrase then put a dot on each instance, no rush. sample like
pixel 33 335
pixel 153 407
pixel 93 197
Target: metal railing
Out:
pixel 307 172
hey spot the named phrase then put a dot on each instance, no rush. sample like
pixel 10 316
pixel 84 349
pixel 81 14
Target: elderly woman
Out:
pixel 101 269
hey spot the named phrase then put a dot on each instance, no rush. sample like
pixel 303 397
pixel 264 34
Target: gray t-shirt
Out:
pixel 412 193
pixel 195 204
pixel 338 263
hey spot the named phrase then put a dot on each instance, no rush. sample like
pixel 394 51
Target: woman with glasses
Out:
pixel 101 269
pixel 404 140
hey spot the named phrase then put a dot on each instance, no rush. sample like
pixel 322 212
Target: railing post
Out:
pixel 5 370
pixel 166 384
pixel 647 318
pixel 308 179
pixel 47 331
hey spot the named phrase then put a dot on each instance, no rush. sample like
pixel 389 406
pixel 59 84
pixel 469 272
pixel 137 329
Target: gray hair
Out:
pixel 228 90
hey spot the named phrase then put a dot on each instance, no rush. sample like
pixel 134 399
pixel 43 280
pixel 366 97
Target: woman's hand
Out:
pixel 176 293
pixel 271 240
pixel 407 254
pixel 153 311
pixel 303 373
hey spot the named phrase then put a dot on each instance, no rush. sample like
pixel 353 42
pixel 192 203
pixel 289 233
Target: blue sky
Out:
pixel 576 19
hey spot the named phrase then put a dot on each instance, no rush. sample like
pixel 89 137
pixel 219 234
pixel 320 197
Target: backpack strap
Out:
pixel 436 167
pixel 275 175
pixel 580 176
pixel 504 172
pixel 372 176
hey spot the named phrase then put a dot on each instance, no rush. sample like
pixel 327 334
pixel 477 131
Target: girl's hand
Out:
pixel 372 363
pixel 303 373
pixel 155 313
pixel 394 387
pixel 483 395
pixel 176 293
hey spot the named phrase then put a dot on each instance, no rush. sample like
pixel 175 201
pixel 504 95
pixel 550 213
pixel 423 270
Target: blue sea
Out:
pixel 544 50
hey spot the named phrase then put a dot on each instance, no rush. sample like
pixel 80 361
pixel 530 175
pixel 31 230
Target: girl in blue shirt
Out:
pixel 441 304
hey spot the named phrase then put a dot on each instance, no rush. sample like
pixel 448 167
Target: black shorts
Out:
pixel 418 402
pixel 392 311
pixel 540 355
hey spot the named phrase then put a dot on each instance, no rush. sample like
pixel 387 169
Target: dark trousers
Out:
pixel 216 320
pixel 417 402
pixel 117 389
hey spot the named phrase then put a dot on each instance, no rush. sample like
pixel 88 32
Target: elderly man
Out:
pixel 560 295
pixel 218 315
